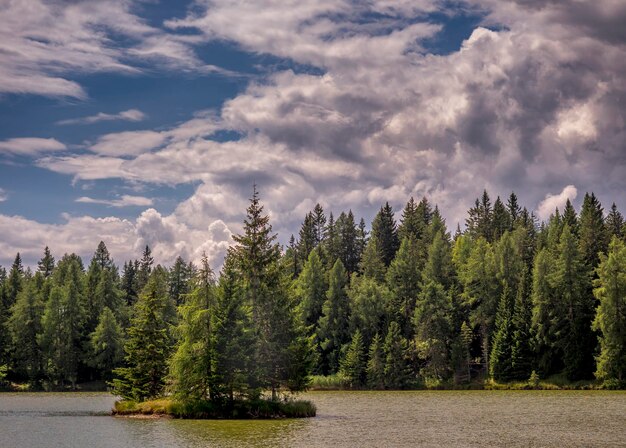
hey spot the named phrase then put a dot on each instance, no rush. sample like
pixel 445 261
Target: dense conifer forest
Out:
pixel 403 304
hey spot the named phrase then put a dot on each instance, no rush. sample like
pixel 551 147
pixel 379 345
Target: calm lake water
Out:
pixel 345 419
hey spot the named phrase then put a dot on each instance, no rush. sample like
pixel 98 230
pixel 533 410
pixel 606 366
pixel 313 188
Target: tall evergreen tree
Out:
pixel 25 327
pixel 610 317
pixel 283 351
pixel 46 264
pixel 514 209
pixel 502 347
pixel 384 229
pixel 14 282
pixel 107 344
pixel 347 233
pixel 354 363
pixel 576 339
pixel 311 289
pixel 403 280
pixel 369 301
pixel 371 264
pixel 319 224
pixel 144 268
pixel 395 349
pixel 333 328
pixel 593 237
pixel 147 347
pixel 180 277
pixel 615 223
pixel 501 221
pixel 375 370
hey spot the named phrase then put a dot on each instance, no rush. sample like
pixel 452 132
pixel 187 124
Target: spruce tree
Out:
pixel 333 328
pixel 347 234
pixel 180 278
pixel 501 221
pixel 24 326
pixel 46 264
pixel 14 282
pixel 384 229
pixel 371 264
pixel 192 367
pixel 395 350
pixel 610 319
pixel 354 363
pixel 502 347
pixel 403 280
pixel 375 369
pixel 107 344
pixel 433 331
pixel 369 301
pixel 144 269
pixel 311 289
pixel 615 223
pixel 522 355
pixel 593 237
pixel 147 347
pixel 514 209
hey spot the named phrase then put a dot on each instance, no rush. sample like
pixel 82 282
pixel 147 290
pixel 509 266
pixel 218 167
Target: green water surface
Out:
pixel 344 419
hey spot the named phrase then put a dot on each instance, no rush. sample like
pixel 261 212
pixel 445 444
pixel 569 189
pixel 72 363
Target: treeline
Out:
pixel 398 306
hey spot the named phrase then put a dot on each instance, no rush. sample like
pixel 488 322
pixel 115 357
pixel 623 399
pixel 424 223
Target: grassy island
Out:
pixel 205 409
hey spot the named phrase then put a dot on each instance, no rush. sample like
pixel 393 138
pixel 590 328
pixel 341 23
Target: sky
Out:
pixel 148 122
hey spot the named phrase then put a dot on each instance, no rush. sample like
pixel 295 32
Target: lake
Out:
pixel 344 419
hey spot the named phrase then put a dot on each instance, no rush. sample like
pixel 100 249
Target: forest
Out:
pixel 402 304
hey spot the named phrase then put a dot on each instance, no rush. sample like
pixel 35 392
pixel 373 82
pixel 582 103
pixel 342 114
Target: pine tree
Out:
pixel 25 327
pixel 193 365
pixel 147 347
pixel 502 347
pixel 129 284
pixel 610 317
pixel 369 301
pixel 14 282
pixel 403 280
pixel 410 223
pixel 384 229
pixel 333 328
pixel 307 238
pixel 282 352
pixel 477 271
pixel 433 330
pixel 395 350
pixel 371 264
pixel 570 218
pixel 180 277
pixel 107 344
pixel 144 269
pixel 354 364
pixel 319 224
pixel 375 369
pixel 234 337
pixel 545 314
pixel 593 237
pixel 514 209
pixel 501 219
pixel 522 355
pixel 311 289
pixel 615 223
pixel 347 234
pixel 46 264
pixel 576 309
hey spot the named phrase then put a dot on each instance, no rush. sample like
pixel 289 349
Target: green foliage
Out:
pixel 395 348
pixel 384 229
pixel 334 327
pixel 610 317
pixel 403 280
pixel 375 369
pixel 25 327
pixel 107 343
pixel 148 346
pixel 354 364
pixel 310 288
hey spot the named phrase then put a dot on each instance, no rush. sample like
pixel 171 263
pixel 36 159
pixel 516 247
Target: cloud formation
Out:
pixel 124 200
pixel 30 146
pixel 554 201
pixel 43 43
pixel 532 101
pixel 126 115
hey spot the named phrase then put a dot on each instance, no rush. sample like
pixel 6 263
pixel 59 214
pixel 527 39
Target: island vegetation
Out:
pixel 507 302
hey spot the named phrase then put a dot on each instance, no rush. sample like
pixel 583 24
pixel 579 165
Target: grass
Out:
pixel 202 409
pixel 331 382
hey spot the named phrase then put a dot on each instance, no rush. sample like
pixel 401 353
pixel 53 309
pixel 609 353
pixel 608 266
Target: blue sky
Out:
pixel 147 122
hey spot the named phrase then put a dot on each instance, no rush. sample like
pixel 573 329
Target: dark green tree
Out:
pixel 384 229
pixel 46 264
pixel 107 344
pixel 403 280
pixel 615 223
pixel 333 328
pixel 147 347
pixel 375 369
pixel 396 370
pixel 354 363
pixel 610 319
